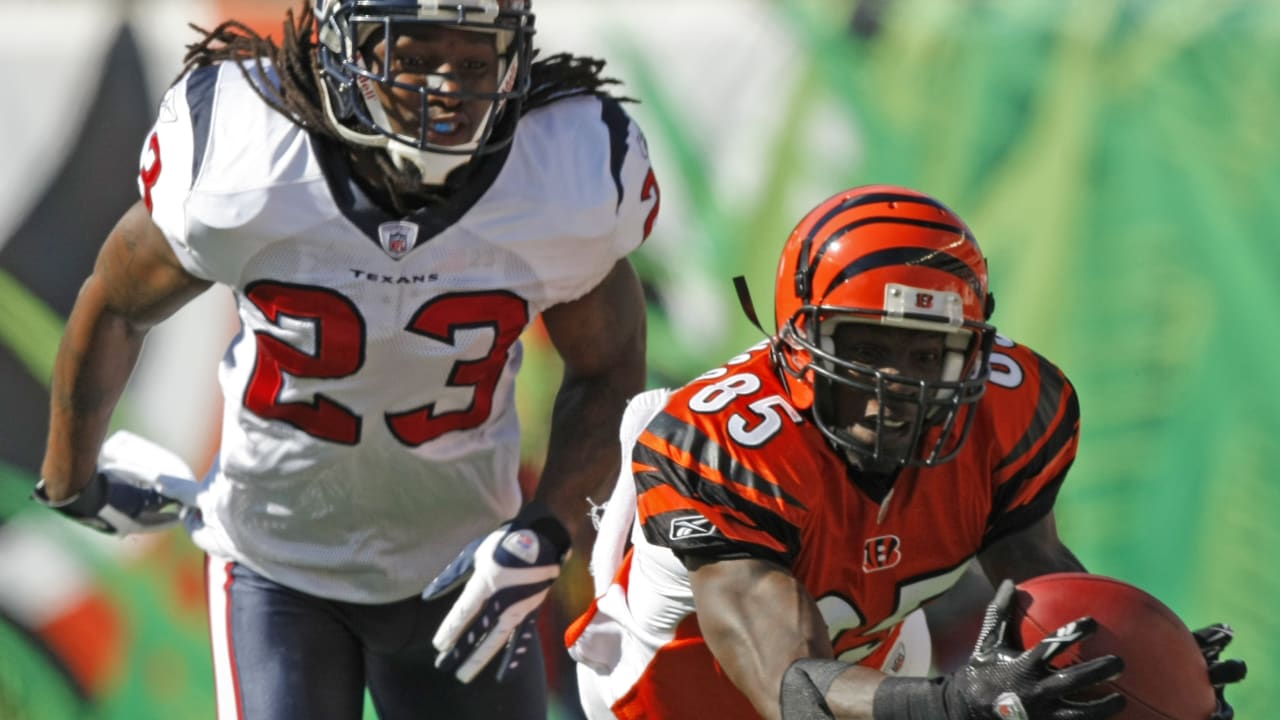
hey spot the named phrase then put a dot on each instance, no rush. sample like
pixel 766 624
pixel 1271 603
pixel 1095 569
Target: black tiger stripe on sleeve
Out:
pixel 1009 521
pixel 1050 399
pixel 695 498
pixel 1031 491
pixel 738 520
pixel 706 452
pixel 693 534
pixel 1063 433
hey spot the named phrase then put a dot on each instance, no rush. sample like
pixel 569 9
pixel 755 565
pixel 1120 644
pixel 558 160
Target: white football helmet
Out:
pixel 351 80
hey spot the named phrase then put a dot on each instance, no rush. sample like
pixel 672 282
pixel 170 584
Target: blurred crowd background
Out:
pixel 1118 161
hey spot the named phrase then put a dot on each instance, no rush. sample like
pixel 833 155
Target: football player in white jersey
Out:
pixel 394 193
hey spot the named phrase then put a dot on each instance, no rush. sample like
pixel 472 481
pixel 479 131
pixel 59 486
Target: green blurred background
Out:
pixel 1118 162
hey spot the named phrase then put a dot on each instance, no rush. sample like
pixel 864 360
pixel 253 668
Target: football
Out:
pixel 1165 676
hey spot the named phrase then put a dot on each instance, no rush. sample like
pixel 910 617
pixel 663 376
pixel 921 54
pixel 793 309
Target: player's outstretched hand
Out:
pixel 507 574
pixel 1212 641
pixel 138 487
pixel 1001 682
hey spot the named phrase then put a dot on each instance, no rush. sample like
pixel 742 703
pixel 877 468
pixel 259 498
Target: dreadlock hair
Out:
pixel 295 93
pixel 562 76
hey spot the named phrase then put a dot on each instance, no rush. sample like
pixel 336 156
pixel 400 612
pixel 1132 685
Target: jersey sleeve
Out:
pixel 636 185
pixel 696 497
pixel 589 163
pixel 170 162
pixel 1032 469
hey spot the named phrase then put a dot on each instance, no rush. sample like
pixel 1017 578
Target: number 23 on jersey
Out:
pixel 339 330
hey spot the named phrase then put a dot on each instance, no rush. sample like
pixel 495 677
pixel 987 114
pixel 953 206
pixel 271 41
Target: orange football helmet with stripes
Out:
pixel 895 257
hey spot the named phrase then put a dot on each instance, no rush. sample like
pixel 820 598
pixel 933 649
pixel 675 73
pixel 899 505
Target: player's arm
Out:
pixel 136 282
pixel 1000 680
pixel 1027 553
pixel 757 620
pixel 766 632
pixel 601 338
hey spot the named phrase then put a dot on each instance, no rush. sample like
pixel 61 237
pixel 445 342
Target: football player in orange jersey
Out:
pixel 790 511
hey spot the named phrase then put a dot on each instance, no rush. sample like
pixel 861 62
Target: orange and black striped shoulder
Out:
pixel 1034 416
pixel 718 471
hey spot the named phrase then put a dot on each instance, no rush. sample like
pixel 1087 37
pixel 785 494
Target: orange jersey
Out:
pixel 729 469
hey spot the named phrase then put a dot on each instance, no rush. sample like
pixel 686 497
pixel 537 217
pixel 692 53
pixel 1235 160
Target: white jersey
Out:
pixel 369 428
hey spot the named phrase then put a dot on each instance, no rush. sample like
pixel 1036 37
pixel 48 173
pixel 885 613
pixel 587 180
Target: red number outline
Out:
pixel 650 187
pixel 440 319
pixel 339 331
pixel 150 175
pixel 340 334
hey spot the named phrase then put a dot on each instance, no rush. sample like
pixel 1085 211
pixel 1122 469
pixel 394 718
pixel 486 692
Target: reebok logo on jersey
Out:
pixel 686 528
pixel 881 553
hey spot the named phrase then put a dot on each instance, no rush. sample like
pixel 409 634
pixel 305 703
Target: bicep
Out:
pixel 1032 551
pixel 757 619
pixel 136 276
pixel 604 330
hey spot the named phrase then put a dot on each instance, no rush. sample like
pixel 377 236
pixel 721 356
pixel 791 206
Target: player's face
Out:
pixel 450 60
pixel 899 352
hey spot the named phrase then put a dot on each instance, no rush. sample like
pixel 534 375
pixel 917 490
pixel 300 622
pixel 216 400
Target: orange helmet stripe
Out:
pixel 925 257
pixel 804 275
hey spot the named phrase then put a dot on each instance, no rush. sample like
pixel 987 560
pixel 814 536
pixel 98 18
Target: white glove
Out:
pixel 508 574
pixel 139 487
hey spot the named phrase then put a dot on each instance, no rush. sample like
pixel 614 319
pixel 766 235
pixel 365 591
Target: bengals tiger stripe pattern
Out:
pixel 786 497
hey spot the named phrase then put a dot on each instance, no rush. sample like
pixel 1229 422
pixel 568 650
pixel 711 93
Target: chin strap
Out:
pixel 432 167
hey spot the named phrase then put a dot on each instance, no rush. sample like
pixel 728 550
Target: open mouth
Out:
pixel 444 126
pixel 888 423
pixel 890 428
pixel 447 130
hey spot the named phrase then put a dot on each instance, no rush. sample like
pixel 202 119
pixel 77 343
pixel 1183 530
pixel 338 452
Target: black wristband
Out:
pixel 803 695
pixel 85 504
pixel 537 517
pixel 900 698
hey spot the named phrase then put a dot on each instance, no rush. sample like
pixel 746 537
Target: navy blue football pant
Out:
pixel 280 654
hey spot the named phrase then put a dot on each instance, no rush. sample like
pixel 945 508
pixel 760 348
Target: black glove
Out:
pixel 1001 682
pixel 1212 641
pixel 115 506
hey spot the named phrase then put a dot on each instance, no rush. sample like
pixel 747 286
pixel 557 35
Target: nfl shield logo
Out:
pixel 397 237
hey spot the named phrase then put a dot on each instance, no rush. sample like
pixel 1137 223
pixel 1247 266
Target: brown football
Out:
pixel 1165 676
